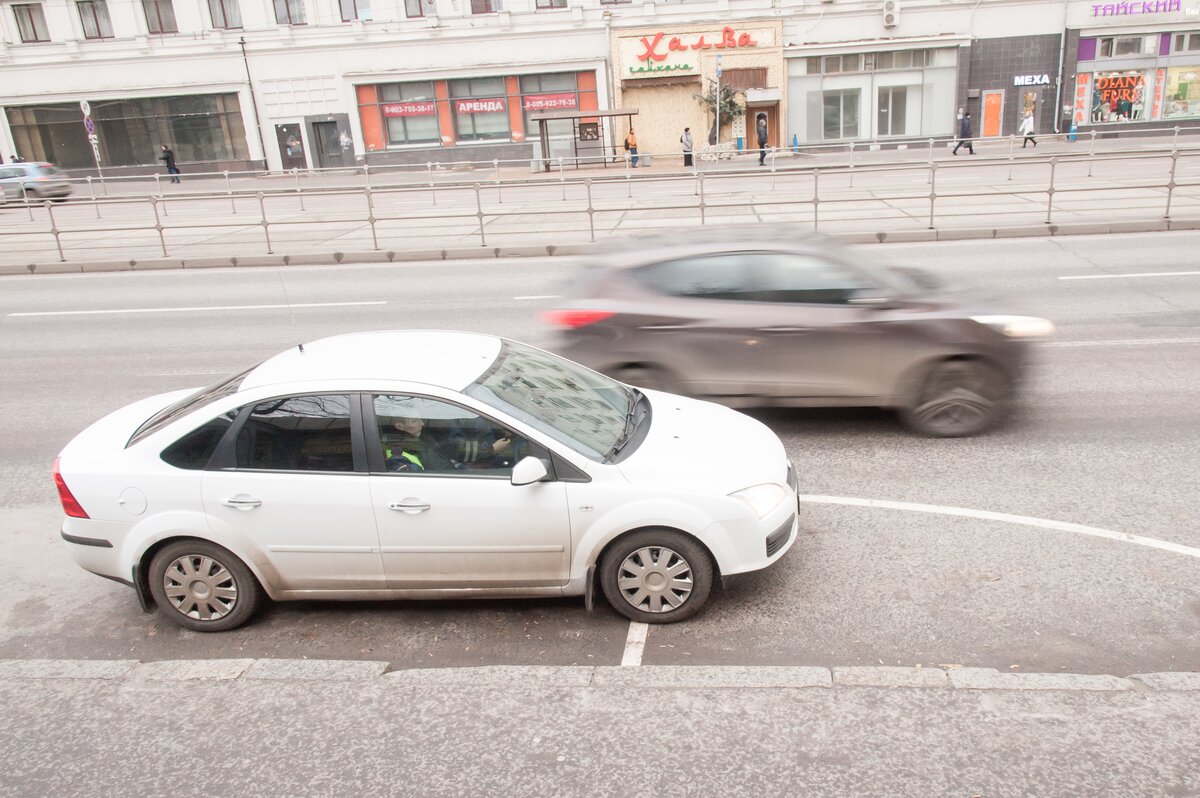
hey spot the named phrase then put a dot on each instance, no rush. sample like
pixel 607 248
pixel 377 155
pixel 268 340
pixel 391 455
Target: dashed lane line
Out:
pixel 1129 274
pixel 635 644
pixel 1023 520
pixel 288 306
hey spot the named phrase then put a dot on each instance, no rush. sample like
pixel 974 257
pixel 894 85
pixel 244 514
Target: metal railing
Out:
pixel 379 216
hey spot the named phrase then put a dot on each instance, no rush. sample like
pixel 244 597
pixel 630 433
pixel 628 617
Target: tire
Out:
pixel 635 575
pixel 190 579
pixel 958 398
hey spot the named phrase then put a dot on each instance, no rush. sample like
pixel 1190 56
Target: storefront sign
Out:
pixel 1156 109
pixel 1115 88
pixel 420 108
pixel 479 106
pixel 545 102
pixel 661 53
pixel 656 49
pixel 1142 7
pixel 1082 96
pixel 1031 80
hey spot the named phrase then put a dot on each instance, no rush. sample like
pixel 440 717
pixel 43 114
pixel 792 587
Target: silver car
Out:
pixel 768 317
pixel 35 181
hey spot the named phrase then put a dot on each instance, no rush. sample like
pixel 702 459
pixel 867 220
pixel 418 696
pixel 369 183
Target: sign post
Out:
pixel 717 143
pixel 89 127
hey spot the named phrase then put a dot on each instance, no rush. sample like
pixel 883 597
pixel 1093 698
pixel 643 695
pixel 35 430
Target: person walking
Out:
pixel 761 128
pixel 168 157
pixel 964 134
pixel 1026 129
pixel 687 142
pixel 631 148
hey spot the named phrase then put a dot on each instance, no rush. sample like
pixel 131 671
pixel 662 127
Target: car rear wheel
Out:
pixel 203 587
pixel 958 398
pixel 656 576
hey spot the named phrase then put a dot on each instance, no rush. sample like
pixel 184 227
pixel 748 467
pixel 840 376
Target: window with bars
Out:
pixel 355 9
pixel 31 22
pixel 93 14
pixel 160 16
pixel 289 12
pixel 226 14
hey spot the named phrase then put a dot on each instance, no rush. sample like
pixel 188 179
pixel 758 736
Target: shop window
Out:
pixel 480 109
pixel 355 9
pixel 225 14
pixel 557 91
pixel 1182 92
pixel 31 22
pixel 843 63
pixel 891 110
pixel 1118 46
pixel 813 65
pixel 1187 42
pixel 289 12
pixel 160 16
pixel 546 4
pixel 93 14
pixel 1118 97
pixel 839 115
pixel 410 112
pixel 485 6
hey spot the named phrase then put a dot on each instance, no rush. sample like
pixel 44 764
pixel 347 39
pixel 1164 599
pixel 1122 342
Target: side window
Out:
pixel 804 279
pixel 725 276
pixel 421 435
pixel 300 433
pixel 194 450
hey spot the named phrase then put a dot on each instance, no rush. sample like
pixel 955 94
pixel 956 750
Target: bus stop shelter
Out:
pixel 580 130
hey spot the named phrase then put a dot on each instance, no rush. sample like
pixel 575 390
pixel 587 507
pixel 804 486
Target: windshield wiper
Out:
pixel 635 396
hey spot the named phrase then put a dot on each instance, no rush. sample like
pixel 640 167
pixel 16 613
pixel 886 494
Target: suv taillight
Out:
pixel 574 319
pixel 69 504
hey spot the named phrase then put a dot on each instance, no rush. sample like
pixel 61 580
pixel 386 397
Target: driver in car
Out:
pixel 411 448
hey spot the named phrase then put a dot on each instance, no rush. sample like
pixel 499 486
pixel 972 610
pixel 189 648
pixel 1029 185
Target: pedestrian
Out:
pixel 168 157
pixel 1026 129
pixel 14 158
pixel 631 148
pixel 964 134
pixel 762 139
pixel 687 142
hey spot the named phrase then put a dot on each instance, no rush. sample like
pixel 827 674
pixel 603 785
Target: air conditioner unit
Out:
pixel 891 13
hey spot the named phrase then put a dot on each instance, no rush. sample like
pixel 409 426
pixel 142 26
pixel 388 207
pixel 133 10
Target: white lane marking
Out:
pixel 1131 274
pixel 1024 520
pixel 635 643
pixel 541 296
pixel 291 306
pixel 1125 342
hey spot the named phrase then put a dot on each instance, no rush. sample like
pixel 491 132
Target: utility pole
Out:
pixel 718 136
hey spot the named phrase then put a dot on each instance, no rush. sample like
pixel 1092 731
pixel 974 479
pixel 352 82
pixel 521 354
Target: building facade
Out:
pixel 282 84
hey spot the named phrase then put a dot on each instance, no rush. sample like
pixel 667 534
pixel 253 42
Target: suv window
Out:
pixel 298 433
pixel 186 405
pixel 422 435
pixel 725 276
pixel 194 450
pixel 805 279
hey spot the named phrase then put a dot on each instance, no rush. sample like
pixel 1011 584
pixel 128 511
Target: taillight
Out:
pixel 69 504
pixel 575 319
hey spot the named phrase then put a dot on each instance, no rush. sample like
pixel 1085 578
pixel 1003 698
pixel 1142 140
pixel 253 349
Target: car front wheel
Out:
pixel 656 576
pixel 203 587
pixel 958 398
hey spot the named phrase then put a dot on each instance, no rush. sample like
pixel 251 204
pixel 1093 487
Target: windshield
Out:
pixel 186 405
pixel 572 404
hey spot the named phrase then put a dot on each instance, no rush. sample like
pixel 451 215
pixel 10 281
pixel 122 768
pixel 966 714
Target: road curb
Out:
pixel 696 677
pixel 335 258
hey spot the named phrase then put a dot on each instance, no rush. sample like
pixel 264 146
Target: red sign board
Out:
pixel 479 106
pixel 545 102
pixel 420 108
pixel 730 40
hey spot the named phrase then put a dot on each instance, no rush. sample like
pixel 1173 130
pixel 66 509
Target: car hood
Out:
pixel 705 447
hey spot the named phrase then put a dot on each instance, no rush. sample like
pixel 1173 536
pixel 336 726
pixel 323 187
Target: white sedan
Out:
pixel 423 465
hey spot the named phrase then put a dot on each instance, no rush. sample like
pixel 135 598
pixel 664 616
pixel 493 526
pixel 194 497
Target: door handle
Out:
pixel 242 502
pixel 410 506
pixel 784 329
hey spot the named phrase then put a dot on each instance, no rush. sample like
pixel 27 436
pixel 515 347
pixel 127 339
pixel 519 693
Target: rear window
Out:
pixel 186 405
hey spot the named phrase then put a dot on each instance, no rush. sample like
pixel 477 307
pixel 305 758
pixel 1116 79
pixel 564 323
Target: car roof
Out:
pixel 433 357
pixel 637 249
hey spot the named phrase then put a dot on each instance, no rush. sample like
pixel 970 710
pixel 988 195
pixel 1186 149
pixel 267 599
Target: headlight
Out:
pixel 1018 326
pixel 761 499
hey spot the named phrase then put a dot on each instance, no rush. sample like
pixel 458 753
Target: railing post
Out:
pixel 1175 139
pixel 1012 140
pixel 162 239
pixel 56 232
pixel 479 215
pixel 157 191
pixel 299 191
pixel 1091 152
pixel 1171 179
pixel 91 192
pixel 772 170
pixel 852 164
pixel 229 191
pixel 371 217
pixel 1050 191
pixel 432 190
pixel 816 201
pixel 262 207
pixel 931 161
pixel 496 166
pixel 591 211
pixel 562 178
pixel 367 173
pixel 932 191
pixel 701 201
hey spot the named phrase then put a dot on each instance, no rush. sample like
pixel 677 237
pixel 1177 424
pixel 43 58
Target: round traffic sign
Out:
pixel 89 125
pixel 86 107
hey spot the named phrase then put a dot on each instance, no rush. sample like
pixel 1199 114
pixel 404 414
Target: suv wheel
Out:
pixel 203 587
pixel 958 398
pixel 656 576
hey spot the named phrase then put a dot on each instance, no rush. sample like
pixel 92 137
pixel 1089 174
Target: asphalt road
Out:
pixel 1107 438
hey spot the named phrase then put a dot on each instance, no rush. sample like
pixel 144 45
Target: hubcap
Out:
pixel 200 587
pixel 655 579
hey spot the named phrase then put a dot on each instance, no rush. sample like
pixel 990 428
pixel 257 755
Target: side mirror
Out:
pixel 528 471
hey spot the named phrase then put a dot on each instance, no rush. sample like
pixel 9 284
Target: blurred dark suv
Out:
pixel 797 321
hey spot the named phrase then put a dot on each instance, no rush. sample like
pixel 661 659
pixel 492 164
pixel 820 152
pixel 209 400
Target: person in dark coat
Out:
pixel 168 157
pixel 964 134
pixel 762 139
